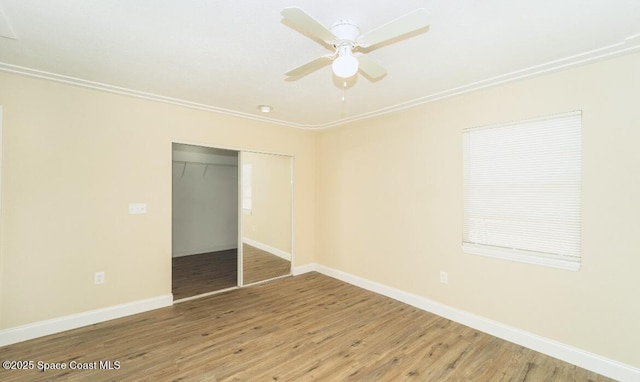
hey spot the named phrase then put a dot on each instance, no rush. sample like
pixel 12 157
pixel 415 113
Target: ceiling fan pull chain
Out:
pixel 344 90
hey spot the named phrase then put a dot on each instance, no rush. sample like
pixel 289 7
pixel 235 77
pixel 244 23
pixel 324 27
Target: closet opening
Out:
pixel 205 222
pixel 232 219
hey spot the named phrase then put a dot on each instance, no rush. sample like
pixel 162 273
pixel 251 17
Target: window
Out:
pixel 522 191
pixel 247 192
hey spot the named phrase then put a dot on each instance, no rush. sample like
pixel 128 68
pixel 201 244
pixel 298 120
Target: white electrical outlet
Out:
pixel 444 277
pixel 137 208
pixel 98 278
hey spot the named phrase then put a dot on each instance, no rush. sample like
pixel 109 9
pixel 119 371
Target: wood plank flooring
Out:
pixel 197 274
pixel 259 265
pixel 304 328
pixel 194 275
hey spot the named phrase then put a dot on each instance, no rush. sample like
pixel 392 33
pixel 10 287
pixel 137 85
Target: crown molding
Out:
pixel 629 45
pixel 591 56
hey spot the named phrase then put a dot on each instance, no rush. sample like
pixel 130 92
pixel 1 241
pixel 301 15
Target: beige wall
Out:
pixel 270 220
pixel 390 208
pixel 73 159
pixel 389 202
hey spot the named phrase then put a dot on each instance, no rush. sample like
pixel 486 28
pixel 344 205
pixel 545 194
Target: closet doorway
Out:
pixel 204 220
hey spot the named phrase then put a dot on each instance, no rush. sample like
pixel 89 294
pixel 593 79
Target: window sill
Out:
pixel 519 256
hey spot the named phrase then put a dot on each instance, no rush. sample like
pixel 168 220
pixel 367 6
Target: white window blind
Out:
pixel 522 190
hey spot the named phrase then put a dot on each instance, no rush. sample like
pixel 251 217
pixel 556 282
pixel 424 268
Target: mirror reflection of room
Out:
pixel 204 220
pixel 266 216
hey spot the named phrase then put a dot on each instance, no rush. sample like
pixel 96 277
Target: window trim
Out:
pixel 520 256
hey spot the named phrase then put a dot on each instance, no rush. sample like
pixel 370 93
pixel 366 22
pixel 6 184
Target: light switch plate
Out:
pixel 137 208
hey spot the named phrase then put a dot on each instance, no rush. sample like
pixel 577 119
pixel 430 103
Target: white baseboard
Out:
pixel 601 365
pixel 61 324
pixel 596 363
pixel 304 269
pixel 197 251
pixel 267 248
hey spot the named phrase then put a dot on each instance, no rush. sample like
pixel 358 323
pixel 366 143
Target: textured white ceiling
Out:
pixel 231 56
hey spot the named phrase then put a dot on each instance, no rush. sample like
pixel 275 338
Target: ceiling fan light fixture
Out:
pixel 345 65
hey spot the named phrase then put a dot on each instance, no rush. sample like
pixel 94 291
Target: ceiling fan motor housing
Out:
pixel 346 33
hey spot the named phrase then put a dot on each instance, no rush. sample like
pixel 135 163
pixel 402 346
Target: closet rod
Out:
pixel 206 166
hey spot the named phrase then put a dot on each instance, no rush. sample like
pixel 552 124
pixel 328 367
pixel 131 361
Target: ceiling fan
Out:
pixel 347 44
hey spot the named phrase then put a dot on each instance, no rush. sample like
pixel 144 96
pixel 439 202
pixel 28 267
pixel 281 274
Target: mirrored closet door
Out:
pixel 231 219
pixel 266 216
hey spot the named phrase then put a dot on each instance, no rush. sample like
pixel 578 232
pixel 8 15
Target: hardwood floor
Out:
pixel 194 275
pixel 259 265
pixel 197 274
pixel 304 328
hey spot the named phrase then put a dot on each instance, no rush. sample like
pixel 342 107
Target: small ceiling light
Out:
pixel 345 65
pixel 265 108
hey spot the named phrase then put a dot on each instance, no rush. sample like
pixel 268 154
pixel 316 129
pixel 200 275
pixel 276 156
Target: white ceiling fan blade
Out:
pixel 307 24
pixel 310 66
pixel 402 25
pixel 5 27
pixel 371 68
